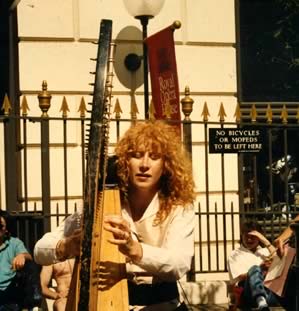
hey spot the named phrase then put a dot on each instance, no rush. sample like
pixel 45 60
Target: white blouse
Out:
pixel 168 248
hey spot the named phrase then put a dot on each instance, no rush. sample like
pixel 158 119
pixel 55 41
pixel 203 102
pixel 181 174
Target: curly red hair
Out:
pixel 176 184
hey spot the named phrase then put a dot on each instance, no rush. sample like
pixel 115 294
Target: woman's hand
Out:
pixel 18 262
pixel 279 244
pixel 122 237
pixel 266 263
pixel 260 236
pixel 62 294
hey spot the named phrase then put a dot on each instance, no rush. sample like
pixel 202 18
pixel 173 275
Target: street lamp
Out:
pixel 144 10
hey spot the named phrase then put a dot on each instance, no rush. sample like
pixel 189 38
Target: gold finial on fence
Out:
pixel 82 108
pixel 44 98
pixel 238 113
pixel 24 106
pixel 205 112
pixel 221 113
pixel 269 114
pixel 117 109
pixel 187 103
pixel 152 110
pixel 253 113
pixel 6 106
pixel 284 114
pixel 297 115
pixel 134 108
pixel 64 107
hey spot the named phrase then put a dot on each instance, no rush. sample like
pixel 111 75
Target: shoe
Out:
pixel 262 304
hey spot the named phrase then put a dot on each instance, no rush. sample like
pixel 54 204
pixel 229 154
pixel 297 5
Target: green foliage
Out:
pixel 287 30
pixel 269 42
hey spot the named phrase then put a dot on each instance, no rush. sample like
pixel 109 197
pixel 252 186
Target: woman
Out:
pixel 155 231
pixel 248 265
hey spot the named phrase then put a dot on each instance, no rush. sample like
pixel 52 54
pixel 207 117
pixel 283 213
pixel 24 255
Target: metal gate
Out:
pixel 262 184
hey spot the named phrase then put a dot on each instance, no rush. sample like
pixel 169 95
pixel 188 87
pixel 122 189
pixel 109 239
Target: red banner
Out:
pixel 163 73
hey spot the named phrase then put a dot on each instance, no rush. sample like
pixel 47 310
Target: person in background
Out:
pixel 248 265
pixel 290 288
pixel 157 193
pixel 284 238
pixel 61 273
pixel 19 275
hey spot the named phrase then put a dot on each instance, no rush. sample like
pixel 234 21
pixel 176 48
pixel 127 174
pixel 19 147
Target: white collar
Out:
pixel 152 208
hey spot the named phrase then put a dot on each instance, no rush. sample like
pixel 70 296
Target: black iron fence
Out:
pixel 235 182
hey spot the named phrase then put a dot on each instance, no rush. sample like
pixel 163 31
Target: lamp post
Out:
pixel 144 10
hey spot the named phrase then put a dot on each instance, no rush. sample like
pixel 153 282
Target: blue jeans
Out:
pixel 254 287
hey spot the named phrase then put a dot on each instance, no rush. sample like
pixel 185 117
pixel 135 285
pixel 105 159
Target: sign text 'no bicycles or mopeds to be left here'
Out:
pixel 233 140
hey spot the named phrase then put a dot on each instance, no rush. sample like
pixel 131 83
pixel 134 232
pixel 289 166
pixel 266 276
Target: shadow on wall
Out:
pixel 128 40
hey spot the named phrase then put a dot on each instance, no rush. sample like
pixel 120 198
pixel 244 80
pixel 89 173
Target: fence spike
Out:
pixel 253 113
pixel 205 112
pixel 134 108
pixel 117 109
pixel 64 107
pixel 269 114
pixel 24 106
pixel 221 113
pixel 284 114
pixel 152 110
pixel 238 113
pixel 6 106
pixel 82 108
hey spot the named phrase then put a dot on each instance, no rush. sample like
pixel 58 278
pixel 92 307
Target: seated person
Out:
pixel 248 265
pixel 155 230
pixel 61 272
pixel 19 275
